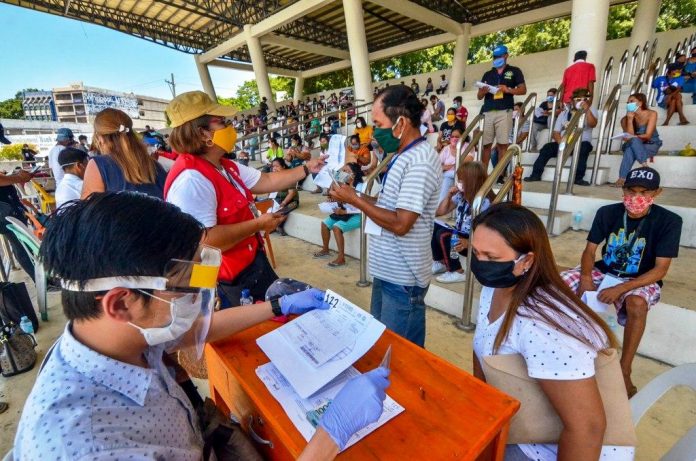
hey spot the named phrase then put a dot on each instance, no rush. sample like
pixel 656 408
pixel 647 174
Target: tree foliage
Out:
pixel 247 96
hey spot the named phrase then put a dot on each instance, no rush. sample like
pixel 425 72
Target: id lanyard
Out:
pixel 242 190
pixel 634 240
pixel 396 157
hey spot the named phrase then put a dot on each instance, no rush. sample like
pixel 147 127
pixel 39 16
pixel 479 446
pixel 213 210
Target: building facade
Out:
pixel 39 105
pixel 77 103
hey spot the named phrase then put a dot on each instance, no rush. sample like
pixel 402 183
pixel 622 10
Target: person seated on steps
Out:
pixel 470 178
pixel 340 222
pixel 642 140
pixel 669 94
pixel 640 241
pixel 581 100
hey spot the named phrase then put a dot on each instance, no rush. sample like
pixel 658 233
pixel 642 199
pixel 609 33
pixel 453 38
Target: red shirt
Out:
pixel 579 75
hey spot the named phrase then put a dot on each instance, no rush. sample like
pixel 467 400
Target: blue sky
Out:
pixel 43 51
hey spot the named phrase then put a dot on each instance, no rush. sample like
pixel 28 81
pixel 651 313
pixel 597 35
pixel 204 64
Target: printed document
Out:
pixel 316 347
pixel 297 407
pixel 590 297
pixel 330 207
pixel 335 161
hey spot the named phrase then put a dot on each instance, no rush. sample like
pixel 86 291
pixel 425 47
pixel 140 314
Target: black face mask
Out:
pixel 243 161
pixel 495 274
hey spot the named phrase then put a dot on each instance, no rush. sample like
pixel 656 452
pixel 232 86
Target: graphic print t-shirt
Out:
pixel 658 238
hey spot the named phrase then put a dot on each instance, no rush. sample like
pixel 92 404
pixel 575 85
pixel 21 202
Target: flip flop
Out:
pixel 321 254
pixel 3 407
pixel 632 391
pixel 333 264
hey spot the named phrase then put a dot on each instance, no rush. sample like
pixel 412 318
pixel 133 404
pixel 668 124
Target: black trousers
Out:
pixel 440 244
pixel 550 150
pixel 256 277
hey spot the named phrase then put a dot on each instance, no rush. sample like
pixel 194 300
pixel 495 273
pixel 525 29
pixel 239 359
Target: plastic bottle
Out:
pixel 611 321
pixel 577 219
pixel 26 325
pixel 246 298
pixel 454 241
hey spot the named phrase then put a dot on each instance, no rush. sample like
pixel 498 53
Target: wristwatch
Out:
pixel 275 307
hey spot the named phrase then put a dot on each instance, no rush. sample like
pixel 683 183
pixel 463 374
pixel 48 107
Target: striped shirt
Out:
pixel 412 184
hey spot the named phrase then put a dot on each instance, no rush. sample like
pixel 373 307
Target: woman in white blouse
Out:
pixel 525 308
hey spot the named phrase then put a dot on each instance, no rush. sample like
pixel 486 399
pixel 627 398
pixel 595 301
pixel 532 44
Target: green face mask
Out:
pixel 386 139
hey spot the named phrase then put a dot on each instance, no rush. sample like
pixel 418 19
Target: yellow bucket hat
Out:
pixel 193 104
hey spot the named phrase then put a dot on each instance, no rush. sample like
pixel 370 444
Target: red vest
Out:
pixel 232 208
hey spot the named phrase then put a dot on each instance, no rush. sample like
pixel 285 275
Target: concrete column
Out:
pixel 204 74
pixel 259 64
pixel 461 52
pixel 357 45
pixel 588 30
pixel 644 24
pixel 299 88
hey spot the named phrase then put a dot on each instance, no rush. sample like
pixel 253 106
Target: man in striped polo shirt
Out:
pixel 400 220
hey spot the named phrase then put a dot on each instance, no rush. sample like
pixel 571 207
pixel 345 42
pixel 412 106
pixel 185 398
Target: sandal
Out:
pixel 3 407
pixel 321 254
pixel 335 264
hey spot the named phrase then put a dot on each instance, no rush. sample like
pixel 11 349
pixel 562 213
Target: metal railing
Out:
pixel 622 68
pixel 606 80
pixel 607 122
pixel 369 182
pixel 528 107
pixel 635 57
pixel 644 55
pixel 513 152
pixel 475 127
pixel 554 105
pixel 653 72
pixel 570 144
pixel 638 84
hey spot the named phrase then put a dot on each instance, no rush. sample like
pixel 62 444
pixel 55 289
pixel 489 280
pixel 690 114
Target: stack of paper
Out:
pixel 335 161
pixel 316 347
pixel 590 297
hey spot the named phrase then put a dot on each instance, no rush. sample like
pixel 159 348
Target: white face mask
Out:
pixel 184 311
pixel 578 105
pixel 358 124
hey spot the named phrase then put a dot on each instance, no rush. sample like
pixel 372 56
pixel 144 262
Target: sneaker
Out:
pixel 438 267
pixel 582 182
pixel 451 277
pixel 532 179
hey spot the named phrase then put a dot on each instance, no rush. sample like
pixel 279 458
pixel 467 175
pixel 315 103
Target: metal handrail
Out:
pixel 363 282
pixel 526 112
pixel 569 142
pixel 552 121
pixel 638 84
pixel 622 68
pixel 644 54
pixel 653 72
pixel 513 151
pixel 461 154
pixel 668 56
pixel 653 49
pixel 608 112
pixel 634 62
pixel 476 123
pixel 606 80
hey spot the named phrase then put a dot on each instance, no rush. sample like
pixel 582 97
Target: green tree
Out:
pixel 247 96
pixel 11 108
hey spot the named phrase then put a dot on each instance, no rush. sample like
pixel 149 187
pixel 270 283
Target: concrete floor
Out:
pixel 660 429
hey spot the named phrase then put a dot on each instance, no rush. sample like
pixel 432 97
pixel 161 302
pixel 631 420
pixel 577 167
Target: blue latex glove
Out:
pixel 303 301
pixel 357 405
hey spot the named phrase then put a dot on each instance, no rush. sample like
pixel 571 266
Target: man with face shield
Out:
pixel 133 290
pixel 401 219
pixel 219 192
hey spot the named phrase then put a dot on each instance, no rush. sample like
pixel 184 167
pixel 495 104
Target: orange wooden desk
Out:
pixel 450 415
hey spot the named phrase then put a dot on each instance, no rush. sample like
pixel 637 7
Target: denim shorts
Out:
pixel 401 308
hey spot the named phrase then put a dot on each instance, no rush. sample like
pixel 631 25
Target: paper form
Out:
pixel 590 297
pixel 296 407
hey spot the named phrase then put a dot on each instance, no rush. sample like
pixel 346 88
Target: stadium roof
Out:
pixel 313 38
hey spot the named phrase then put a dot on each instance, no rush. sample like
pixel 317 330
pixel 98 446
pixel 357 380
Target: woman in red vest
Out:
pixel 219 192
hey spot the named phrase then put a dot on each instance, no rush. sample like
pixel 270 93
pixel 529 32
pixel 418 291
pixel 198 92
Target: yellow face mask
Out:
pixel 225 138
pixel 451 117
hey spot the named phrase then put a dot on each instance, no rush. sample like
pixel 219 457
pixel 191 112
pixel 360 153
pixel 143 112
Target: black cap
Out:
pixel 71 155
pixel 643 177
pixel 3 139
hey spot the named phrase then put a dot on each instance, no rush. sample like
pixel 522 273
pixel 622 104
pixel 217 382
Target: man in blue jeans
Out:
pixel 400 221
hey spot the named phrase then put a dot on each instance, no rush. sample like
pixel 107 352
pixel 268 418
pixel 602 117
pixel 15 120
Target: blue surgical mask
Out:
pixel 498 63
pixel 549 98
pixel 631 107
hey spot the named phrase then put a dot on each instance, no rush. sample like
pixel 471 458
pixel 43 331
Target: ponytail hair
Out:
pixel 117 139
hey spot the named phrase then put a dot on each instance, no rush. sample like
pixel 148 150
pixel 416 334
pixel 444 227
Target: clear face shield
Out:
pixel 187 286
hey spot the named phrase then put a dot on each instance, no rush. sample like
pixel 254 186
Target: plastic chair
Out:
pixel 48 202
pixel 39 228
pixel 27 196
pixel 683 375
pixel 263 207
pixel 31 245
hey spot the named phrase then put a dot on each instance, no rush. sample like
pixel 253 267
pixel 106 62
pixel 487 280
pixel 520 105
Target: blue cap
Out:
pixel 64 134
pixel 499 50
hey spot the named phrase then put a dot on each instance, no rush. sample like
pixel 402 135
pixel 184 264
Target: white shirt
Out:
pixel 195 194
pixel 70 188
pixel 53 163
pixel 444 83
pixel 542 345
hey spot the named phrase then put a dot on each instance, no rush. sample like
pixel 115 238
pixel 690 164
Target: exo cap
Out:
pixel 193 104
pixel 499 51
pixel 643 177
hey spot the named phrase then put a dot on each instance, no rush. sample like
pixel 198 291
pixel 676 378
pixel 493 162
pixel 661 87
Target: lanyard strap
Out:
pixel 634 239
pixel 396 156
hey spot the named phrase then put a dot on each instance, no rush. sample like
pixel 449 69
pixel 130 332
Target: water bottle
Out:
pixel 454 241
pixel 611 321
pixel 246 298
pixel 577 219
pixel 26 325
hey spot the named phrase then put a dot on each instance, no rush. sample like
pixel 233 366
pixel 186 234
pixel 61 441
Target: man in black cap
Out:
pixel 640 240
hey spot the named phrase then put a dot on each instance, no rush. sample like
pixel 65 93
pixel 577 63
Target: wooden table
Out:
pixel 450 415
